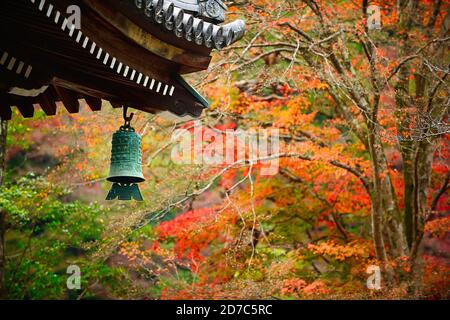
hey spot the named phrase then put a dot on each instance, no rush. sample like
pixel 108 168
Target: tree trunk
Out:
pixel 407 147
pixel 408 188
pixel 391 218
pixel 3 134
pixel 377 211
pixel 386 220
pixel 422 175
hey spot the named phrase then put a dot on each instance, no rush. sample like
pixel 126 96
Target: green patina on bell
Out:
pixel 126 164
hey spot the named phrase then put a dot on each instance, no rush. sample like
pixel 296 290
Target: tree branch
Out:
pixel 440 192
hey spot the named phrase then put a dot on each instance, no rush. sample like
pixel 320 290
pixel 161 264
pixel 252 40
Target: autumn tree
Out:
pixel 363 115
pixel 388 88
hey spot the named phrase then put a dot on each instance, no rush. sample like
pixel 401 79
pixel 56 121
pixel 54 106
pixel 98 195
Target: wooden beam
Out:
pixel 69 99
pixel 47 101
pixel 94 103
pixel 26 108
pixel 116 105
pixel 5 111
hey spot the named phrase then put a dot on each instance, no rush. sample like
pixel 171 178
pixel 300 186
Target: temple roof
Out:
pixel 213 10
pixel 129 52
pixel 194 20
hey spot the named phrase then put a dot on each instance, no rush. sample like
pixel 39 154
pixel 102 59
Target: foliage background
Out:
pixel 208 233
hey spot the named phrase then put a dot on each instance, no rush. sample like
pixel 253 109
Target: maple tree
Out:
pixel 363 114
pixel 368 86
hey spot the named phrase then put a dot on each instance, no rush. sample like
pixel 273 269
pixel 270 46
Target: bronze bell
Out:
pixel 126 163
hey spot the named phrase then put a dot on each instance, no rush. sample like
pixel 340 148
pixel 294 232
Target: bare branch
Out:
pixel 440 192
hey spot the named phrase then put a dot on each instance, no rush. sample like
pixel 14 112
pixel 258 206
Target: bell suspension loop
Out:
pixel 127 119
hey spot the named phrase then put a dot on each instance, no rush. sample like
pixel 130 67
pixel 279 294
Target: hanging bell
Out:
pixel 126 164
